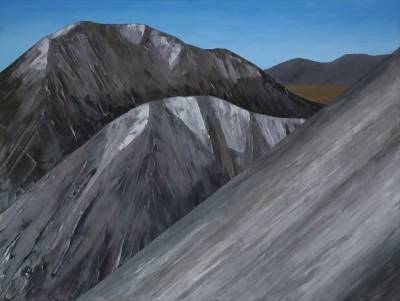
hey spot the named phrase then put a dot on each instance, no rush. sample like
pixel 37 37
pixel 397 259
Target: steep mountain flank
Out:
pixel 317 219
pixel 117 192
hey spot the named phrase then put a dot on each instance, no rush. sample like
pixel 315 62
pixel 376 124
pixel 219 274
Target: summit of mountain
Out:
pixel 71 83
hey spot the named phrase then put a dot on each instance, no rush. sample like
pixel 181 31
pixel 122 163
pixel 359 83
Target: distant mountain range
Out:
pixel 345 70
pixel 316 219
pixel 324 82
pixel 70 84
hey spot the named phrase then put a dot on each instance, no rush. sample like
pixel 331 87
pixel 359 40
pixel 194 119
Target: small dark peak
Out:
pixel 354 55
pixel 299 60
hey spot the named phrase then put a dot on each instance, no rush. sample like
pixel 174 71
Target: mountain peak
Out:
pixel 88 25
pixel 74 81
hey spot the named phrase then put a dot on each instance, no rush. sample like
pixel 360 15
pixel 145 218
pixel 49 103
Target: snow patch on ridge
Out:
pixel 168 48
pixel 119 134
pixel 141 119
pixel 133 32
pixel 40 62
pixel 233 68
pixel 176 50
pixel 164 41
pixel 63 31
pixel 234 121
pixel 275 129
pixel 187 109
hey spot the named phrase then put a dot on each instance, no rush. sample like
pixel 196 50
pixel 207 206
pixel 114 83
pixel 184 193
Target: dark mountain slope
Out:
pixel 112 196
pixel 70 84
pixel 321 222
pixel 345 70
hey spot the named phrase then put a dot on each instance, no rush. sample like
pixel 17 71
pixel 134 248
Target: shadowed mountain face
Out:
pixel 321 222
pixel 345 70
pixel 71 83
pixel 117 192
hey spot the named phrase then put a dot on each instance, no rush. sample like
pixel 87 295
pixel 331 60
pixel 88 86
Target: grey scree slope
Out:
pixel 73 82
pixel 112 196
pixel 322 222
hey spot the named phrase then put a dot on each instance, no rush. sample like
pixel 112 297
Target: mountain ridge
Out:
pixel 126 185
pixel 74 81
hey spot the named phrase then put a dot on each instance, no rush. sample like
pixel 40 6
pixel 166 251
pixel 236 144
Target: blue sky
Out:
pixel 264 32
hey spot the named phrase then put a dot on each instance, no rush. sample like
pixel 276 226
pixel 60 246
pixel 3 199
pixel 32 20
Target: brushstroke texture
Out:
pixel 127 184
pixel 73 82
pixel 317 219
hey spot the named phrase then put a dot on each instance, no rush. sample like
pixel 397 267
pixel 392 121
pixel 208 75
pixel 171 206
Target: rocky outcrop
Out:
pixel 73 82
pixel 127 184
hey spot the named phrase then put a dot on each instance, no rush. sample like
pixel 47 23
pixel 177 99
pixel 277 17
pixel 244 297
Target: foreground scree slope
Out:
pixel 112 196
pixel 73 82
pixel 320 223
